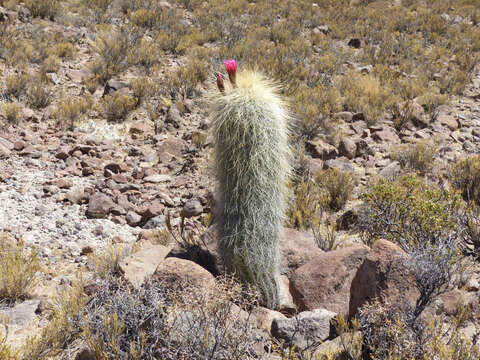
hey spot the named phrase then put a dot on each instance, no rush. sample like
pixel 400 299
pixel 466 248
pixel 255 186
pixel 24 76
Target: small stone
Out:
pixel 133 218
pixel 158 178
pixel 86 250
pixel 355 43
pixel 192 208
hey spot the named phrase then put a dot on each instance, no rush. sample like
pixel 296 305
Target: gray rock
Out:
pixel 133 218
pixel 347 148
pixel 192 208
pixel 305 329
pixel 21 314
pixel 155 222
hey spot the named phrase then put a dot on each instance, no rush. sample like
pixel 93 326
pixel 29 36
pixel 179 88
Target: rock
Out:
pixel 172 146
pixel 76 195
pixel 297 249
pixel 174 117
pixel 133 219
pixel 99 206
pixel 86 250
pixel 448 121
pixel 347 148
pixel 62 153
pixel 78 76
pixel 21 314
pixel 112 168
pixel 143 263
pixel 192 208
pixel 355 43
pixel 86 354
pixel 142 127
pixel 19 145
pixel 346 116
pixel 264 317
pixel 174 271
pixel 363 149
pixel 321 149
pixel 342 164
pixel 305 329
pixel 383 275
pixel 158 178
pixel 391 170
pixel 4 152
pixel 386 135
pixel 114 85
pixel 325 280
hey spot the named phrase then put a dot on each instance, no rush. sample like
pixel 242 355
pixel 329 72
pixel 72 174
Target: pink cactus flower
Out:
pixel 231 66
pixel 220 84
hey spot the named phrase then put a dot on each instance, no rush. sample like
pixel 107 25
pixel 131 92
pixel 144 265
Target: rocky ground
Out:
pixel 70 194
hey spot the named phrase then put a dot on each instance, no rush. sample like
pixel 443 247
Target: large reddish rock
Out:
pixel 175 271
pixel 383 275
pixel 99 206
pixel 324 282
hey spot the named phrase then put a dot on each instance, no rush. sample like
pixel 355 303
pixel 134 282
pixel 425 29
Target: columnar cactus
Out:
pixel 250 122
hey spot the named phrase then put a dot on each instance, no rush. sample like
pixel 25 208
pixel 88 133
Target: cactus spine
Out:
pixel 250 122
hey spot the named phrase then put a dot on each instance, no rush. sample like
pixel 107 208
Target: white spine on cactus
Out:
pixel 250 122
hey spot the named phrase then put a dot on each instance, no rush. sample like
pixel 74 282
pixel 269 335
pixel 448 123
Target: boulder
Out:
pixel 174 271
pixel 307 329
pixel 347 148
pixel 138 266
pixel 382 275
pixel 321 149
pixel 325 281
pixel 192 208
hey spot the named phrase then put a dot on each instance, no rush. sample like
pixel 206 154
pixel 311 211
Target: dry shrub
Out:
pixel 17 273
pixel 72 109
pixel 16 85
pixel 51 64
pixel 11 111
pixel 39 94
pixel 465 176
pixel 146 53
pixel 307 205
pixel 142 88
pixel 65 50
pixel 116 107
pixel 366 94
pixel 338 186
pixel 64 327
pixel 184 80
pixel 43 8
pixel 111 46
pixel 419 157
pixel 160 322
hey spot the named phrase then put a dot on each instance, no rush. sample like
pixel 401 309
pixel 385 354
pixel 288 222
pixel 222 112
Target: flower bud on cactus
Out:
pixel 220 84
pixel 231 67
pixel 252 157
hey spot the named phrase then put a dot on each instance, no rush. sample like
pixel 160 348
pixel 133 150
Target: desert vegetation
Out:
pixel 157 205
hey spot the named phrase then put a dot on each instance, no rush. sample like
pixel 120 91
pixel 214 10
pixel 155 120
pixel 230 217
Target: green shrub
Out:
pixel 338 186
pixel 408 211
